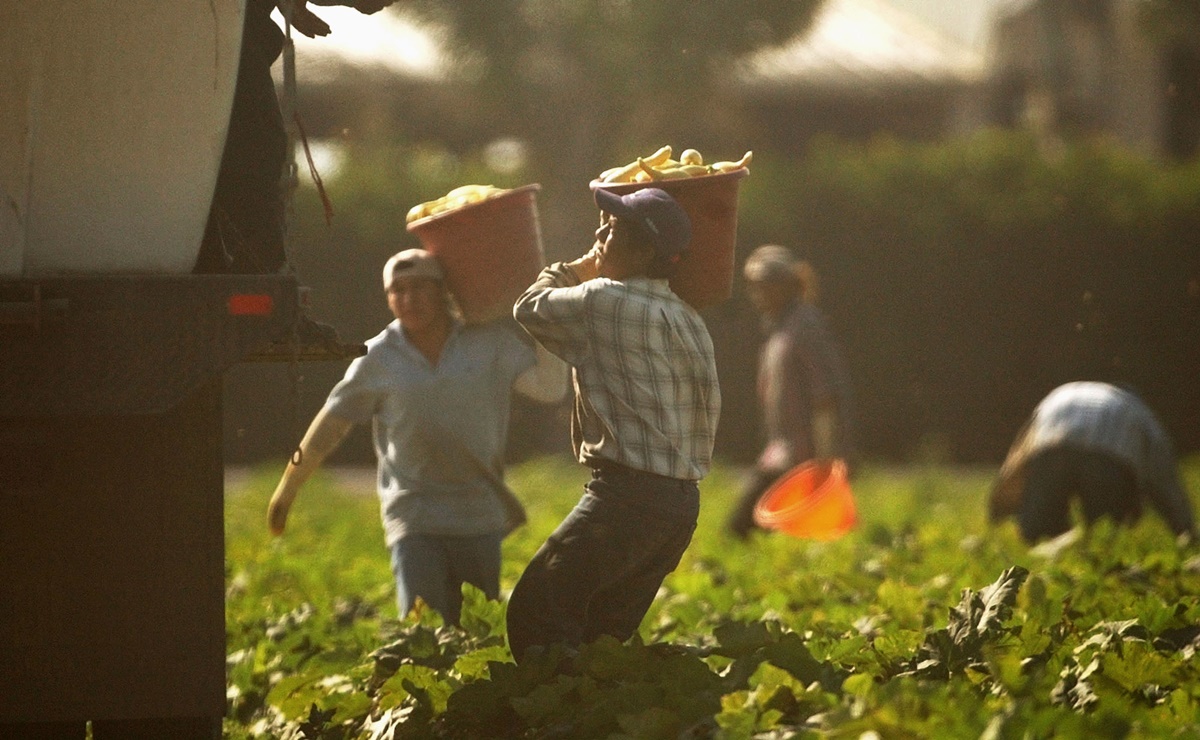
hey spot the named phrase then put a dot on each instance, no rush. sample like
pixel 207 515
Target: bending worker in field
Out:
pixel 1098 442
pixel 439 394
pixel 645 415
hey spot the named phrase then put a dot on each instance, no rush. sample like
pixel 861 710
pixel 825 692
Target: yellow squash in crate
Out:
pixel 708 193
pixel 660 166
pixel 489 249
pixel 456 198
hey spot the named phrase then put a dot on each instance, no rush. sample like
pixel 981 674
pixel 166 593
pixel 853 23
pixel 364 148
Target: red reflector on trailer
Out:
pixel 251 304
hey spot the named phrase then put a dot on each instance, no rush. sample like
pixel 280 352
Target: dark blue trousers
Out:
pixel 435 568
pixel 599 571
pixel 1105 487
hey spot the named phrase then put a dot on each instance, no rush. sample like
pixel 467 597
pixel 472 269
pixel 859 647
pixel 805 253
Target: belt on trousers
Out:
pixel 610 467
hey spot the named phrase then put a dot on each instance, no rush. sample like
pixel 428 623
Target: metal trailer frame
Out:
pixel 112 495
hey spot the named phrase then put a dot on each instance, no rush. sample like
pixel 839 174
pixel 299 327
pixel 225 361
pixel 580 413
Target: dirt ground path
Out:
pixel 356 478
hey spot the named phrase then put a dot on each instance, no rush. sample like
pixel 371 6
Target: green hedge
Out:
pixel 968 278
pixel 965 280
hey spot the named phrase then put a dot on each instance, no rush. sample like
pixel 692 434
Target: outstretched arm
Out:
pixel 1171 501
pixel 1164 487
pixel 324 435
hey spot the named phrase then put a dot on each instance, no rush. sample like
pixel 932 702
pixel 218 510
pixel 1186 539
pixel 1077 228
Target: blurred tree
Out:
pixel 1175 26
pixel 583 84
pixel 589 84
pixel 1172 21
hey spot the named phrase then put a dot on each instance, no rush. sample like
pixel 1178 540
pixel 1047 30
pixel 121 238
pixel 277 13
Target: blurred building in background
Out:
pixel 925 69
pixel 1068 68
pixel 916 69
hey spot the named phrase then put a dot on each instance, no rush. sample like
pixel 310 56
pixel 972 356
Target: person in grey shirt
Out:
pixel 803 384
pixel 1098 442
pixel 439 395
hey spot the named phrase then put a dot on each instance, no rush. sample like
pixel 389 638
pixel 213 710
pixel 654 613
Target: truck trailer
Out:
pixel 113 118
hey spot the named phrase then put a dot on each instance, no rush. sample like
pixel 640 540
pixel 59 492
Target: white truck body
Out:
pixel 113 115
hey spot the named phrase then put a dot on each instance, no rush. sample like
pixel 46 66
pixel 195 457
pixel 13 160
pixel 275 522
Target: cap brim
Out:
pixel 610 202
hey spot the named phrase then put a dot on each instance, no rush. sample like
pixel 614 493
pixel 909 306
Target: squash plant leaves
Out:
pixel 977 621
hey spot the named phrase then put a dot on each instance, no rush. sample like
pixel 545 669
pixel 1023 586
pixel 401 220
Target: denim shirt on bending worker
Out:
pixel 438 429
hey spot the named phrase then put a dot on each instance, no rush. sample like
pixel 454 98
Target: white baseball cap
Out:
pixel 411 263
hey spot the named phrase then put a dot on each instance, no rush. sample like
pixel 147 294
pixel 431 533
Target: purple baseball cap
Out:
pixel 656 212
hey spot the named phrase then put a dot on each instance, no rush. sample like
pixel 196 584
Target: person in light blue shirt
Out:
pixel 438 393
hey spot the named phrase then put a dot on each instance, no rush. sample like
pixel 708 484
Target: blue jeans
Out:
pixel 435 568
pixel 598 573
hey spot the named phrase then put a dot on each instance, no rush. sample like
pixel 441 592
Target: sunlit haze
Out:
pixel 382 39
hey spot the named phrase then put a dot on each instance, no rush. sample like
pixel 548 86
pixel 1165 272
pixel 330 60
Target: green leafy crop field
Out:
pixel 924 622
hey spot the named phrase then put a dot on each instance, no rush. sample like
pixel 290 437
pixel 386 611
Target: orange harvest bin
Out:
pixel 705 278
pixel 812 500
pixel 491 250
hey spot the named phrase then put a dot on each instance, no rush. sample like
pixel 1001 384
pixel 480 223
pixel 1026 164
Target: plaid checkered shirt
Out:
pixel 643 368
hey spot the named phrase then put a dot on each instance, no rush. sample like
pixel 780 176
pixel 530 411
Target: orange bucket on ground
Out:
pixel 812 500
pixel 491 250
pixel 705 278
